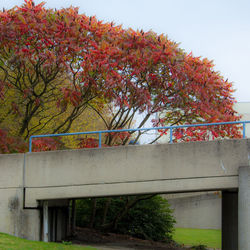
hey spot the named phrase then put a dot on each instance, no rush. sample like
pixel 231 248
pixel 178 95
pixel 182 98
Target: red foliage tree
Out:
pixel 150 74
pixel 44 59
pixel 70 61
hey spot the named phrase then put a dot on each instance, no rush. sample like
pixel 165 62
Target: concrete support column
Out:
pixel 45 221
pixel 229 220
pixel 244 208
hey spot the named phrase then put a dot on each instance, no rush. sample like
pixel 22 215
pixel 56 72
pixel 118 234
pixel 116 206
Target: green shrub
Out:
pixel 139 216
pixel 149 219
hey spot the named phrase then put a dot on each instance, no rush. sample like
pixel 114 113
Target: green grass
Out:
pixel 193 237
pixel 8 242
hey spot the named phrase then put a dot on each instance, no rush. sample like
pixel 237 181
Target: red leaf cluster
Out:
pixel 88 143
pixel 11 144
pixel 46 144
pixel 205 133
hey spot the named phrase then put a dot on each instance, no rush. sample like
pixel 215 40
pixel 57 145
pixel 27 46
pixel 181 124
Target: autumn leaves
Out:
pixel 58 62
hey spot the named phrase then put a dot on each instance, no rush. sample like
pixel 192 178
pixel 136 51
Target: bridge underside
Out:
pixel 130 188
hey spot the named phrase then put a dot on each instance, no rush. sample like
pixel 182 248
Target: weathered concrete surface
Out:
pixel 189 209
pixel 164 168
pixel 14 219
pixel 12 168
pixel 244 208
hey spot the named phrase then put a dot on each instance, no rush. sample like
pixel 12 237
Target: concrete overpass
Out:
pixel 50 179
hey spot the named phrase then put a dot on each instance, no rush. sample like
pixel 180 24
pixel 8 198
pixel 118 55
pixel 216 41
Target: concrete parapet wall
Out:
pixel 12 170
pixel 163 168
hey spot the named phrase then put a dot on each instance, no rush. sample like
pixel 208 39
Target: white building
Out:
pixel 243 108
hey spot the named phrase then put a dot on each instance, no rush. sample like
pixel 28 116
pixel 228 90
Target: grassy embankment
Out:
pixel 187 236
pixel 8 242
pixel 193 237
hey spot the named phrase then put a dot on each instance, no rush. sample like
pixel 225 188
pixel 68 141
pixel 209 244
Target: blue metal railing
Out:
pixel 140 129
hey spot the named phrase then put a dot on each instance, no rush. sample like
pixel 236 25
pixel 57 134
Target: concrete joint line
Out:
pixel 127 182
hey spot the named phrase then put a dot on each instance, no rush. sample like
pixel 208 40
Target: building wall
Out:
pixel 197 210
pixel 243 108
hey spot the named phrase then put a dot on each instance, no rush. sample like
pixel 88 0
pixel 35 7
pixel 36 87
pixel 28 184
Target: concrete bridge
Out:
pixel 35 187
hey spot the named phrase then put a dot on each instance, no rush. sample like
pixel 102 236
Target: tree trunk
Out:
pixel 105 211
pixel 92 219
pixel 73 217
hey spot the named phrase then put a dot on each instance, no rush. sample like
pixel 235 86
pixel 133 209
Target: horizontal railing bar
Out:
pixel 135 129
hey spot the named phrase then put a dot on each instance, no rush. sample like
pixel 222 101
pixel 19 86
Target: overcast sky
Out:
pixel 216 29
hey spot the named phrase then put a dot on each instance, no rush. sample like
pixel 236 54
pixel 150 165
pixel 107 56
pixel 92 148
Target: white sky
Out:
pixel 216 29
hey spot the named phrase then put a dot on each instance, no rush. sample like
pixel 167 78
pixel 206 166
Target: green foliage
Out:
pixel 83 212
pixel 147 219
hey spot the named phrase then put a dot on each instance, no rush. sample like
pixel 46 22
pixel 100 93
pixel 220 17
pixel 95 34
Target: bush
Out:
pixel 149 219
pixel 144 217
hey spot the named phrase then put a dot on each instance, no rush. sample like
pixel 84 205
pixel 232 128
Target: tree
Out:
pixel 152 75
pixel 60 58
pixel 42 53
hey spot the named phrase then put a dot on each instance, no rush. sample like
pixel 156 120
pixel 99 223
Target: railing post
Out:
pixel 171 135
pixel 244 130
pixel 30 144
pixel 100 140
